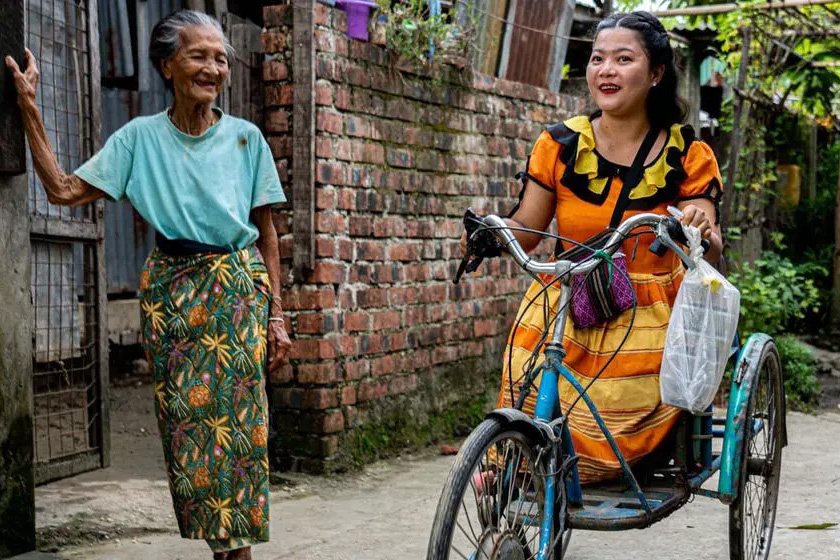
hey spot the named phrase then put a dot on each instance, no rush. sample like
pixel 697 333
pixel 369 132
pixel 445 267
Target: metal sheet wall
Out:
pixel 128 238
pixel 532 44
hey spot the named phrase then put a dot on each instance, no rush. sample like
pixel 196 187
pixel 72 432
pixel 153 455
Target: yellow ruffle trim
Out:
pixel 586 159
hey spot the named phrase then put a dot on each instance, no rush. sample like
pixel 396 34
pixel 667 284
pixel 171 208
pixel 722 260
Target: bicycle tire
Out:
pixel 753 512
pixel 458 483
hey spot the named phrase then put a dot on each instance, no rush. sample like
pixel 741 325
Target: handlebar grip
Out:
pixel 675 230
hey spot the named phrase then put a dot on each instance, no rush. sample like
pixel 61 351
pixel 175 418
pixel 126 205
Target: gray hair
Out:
pixel 166 36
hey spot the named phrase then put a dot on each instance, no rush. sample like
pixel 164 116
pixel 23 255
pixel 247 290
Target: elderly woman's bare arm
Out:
pixel 268 244
pixel 62 189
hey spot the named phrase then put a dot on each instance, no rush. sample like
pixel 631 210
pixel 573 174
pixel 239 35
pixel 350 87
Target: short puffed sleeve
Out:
pixel 703 179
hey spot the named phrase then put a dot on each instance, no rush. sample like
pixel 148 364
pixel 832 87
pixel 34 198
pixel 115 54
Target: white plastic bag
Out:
pixel 700 334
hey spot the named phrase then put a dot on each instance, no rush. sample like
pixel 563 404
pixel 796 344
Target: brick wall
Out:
pixel 387 351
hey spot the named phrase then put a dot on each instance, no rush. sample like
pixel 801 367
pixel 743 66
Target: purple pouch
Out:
pixel 602 294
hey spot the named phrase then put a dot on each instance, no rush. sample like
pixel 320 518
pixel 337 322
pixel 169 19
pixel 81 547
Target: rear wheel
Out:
pixel 753 513
pixel 492 504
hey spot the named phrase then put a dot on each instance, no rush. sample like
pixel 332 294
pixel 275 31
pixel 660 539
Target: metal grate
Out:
pixel 69 430
pixel 57 36
pixel 66 379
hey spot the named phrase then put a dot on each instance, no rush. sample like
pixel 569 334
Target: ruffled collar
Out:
pixel 588 173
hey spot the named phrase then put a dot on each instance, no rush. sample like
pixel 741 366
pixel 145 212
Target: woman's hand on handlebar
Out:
pixel 696 216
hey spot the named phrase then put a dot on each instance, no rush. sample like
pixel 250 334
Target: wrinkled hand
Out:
pixel 694 216
pixel 279 345
pixel 26 82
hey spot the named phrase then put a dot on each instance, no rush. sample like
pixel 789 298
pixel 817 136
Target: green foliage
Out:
pixel 775 294
pixel 801 387
pixel 410 32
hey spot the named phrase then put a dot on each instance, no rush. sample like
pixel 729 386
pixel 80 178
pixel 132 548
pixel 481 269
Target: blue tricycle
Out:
pixel 513 492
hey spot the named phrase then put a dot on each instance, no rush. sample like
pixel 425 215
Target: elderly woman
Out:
pixel 210 296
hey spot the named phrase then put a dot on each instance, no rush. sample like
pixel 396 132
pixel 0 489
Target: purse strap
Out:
pixel 633 176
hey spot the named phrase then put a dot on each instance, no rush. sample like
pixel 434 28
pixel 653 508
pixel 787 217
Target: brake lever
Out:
pixel 664 237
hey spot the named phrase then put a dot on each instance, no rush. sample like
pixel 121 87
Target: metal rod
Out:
pixel 732 7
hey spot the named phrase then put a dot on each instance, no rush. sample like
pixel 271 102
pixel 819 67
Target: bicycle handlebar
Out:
pixel 668 231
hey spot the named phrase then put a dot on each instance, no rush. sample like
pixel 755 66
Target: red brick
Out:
pixel 370 250
pixel 322 14
pixel 325 247
pixel 385 320
pixel 281 146
pixel 400 385
pixel 345 249
pixel 277 120
pixel 343 150
pixel 329 423
pixel 329 122
pixel 325 198
pixel 399 158
pixel 330 223
pixel 275 16
pixel 273 42
pixel 356 369
pixel 356 321
pixel 320 398
pixel 404 252
pixel 275 70
pixel 357 76
pixel 342 98
pixel 349 345
pixel 323 147
pixel 278 95
pixel 310 323
pixel 357 126
pixel 386 365
pixel 486 327
pixel 323 298
pixel 323 93
pixel 283 374
pixel 372 297
pixel 361 226
pixel 313 349
pixel 321 373
pixel 348 395
pixel 371 390
pixel 328 273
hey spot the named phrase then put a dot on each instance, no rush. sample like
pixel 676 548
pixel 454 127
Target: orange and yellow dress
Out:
pixel 587 187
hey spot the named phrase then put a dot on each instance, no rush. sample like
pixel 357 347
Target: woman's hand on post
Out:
pixel 279 344
pixel 694 216
pixel 26 82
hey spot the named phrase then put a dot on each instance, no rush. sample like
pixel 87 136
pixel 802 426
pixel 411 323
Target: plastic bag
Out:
pixel 700 333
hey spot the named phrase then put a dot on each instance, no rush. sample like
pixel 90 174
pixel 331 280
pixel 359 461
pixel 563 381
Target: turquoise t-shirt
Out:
pixel 200 188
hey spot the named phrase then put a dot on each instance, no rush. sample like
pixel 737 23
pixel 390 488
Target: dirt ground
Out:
pixel 124 512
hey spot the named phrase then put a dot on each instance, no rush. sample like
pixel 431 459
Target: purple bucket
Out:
pixel 358 14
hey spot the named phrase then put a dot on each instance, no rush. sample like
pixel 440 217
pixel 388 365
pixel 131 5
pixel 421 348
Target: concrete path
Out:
pixel 386 511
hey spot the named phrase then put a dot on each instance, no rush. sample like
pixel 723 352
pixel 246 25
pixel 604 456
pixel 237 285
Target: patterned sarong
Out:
pixel 204 320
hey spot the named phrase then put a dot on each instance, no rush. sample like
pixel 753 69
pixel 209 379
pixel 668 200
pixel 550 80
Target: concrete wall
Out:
pixel 387 352
pixel 17 487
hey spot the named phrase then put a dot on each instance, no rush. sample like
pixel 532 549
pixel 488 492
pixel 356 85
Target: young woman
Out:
pixel 212 318
pixel 576 174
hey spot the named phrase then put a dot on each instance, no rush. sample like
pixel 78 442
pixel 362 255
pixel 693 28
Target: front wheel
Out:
pixel 753 513
pixel 493 501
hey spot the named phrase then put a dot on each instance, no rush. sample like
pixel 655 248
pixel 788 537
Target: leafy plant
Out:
pixel 419 38
pixel 775 293
pixel 801 387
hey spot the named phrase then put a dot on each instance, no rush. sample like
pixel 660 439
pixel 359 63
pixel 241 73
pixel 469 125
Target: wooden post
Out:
pixel 504 57
pixel 561 44
pixel 835 285
pixel 12 143
pixel 735 147
pixel 197 5
pixel 811 160
pixel 303 136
